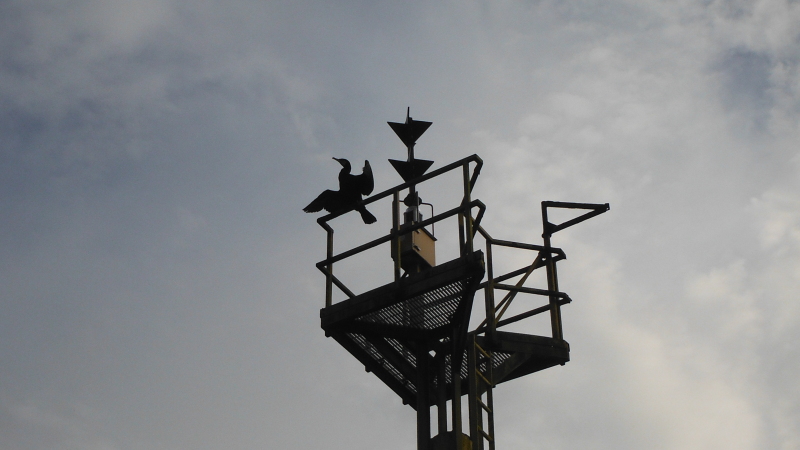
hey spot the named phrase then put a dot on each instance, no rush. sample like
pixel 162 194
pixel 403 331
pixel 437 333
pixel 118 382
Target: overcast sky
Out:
pixel 157 279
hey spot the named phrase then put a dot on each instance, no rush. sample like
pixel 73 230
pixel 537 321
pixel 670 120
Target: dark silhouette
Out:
pixel 351 188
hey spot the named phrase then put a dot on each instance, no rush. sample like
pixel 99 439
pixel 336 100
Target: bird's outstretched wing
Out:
pixel 366 183
pixel 328 200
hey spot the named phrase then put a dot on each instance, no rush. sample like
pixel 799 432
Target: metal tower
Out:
pixel 413 333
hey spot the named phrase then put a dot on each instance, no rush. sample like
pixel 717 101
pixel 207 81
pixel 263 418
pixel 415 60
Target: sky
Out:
pixel 157 280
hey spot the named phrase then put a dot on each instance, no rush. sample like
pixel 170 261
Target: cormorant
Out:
pixel 351 188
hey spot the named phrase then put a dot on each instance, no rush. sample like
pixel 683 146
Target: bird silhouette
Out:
pixel 351 188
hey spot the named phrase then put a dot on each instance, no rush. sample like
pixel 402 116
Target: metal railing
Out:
pixel 547 257
pixel 496 311
pixel 466 223
pixel 468 227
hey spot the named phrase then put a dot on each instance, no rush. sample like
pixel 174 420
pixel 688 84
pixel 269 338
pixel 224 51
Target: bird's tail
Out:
pixel 366 216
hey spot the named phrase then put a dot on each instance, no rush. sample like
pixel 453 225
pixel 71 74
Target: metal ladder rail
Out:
pixel 480 382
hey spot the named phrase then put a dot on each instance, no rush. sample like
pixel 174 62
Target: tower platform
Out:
pixel 514 355
pixel 388 328
pixel 517 355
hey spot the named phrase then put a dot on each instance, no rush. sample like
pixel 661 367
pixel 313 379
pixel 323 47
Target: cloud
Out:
pixel 158 270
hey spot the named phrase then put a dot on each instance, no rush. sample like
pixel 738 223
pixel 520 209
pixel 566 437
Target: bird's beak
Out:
pixel 338 160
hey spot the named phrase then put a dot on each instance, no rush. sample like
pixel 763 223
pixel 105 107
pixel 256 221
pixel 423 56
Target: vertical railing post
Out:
pixel 462 243
pixel 396 233
pixel 491 320
pixel 552 277
pixel 423 402
pixel 329 274
pixel 467 212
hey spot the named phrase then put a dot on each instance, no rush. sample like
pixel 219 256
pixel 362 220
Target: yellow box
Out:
pixel 417 250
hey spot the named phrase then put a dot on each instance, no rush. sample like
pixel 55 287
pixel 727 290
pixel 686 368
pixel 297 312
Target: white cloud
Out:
pixel 779 214
pixel 156 157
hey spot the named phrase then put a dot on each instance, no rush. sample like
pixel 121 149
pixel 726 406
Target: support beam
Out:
pixel 423 406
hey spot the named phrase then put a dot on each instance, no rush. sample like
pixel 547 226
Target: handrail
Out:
pixel 404 231
pixel 495 311
pixel 469 228
pixel 463 211
pixel 465 161
pixel 337 282
pixel 482 327
pixel 508 287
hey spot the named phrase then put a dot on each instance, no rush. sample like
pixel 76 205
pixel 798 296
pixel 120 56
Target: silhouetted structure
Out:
pixel 351 188
pixel 409 132
pixel 414 333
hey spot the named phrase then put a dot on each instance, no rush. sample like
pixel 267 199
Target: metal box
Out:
pixel 417 250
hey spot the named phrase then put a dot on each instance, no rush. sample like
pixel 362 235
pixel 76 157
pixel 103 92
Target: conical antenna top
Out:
pixel 409 132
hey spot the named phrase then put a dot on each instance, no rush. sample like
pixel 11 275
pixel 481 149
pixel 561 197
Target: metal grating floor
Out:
pixel 378 357
pixel 428 311
pixel 386 328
